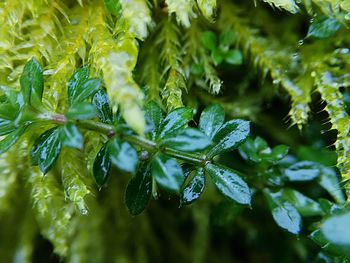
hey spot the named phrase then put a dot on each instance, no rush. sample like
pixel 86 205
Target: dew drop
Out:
pixel 300 42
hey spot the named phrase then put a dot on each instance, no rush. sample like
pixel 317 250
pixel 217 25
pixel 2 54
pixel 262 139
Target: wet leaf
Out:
pixel 302 171
pixel 167 172
pixel 81 111
pixel 154 116
pixel 71 136
pixel 32 82
pixel 187 140
pixel 234 57
pixel 323 28
pixel 138 192
pixel 194 188
pixel 102 165
pixel 86 89
pixel 330 182
pixel 229 183
pixel 123 155
pixel 229 136
pixel 11 139
pixel 78 78
pixel 175 120
pixel 320 240
pixel 212 118
pixel 102 104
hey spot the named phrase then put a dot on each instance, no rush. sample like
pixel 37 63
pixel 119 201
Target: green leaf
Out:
pixel 114 7
pixel 209 40
pixel 212 118
pixel 234 57
pixel 86 89
pixel 229 136
pixel 38 144
pixel 138 192
pixel 167 172
pixel 302 171
pixel 50 147
pixel 101 102
pixel 81 111
pixel 11 139
pixel 6 126
pixel 305 205
pixel 80 76
pixel 277 154
pixel 323 28
pixel 123 155
pixel 284 213
pixel 330 182
pixel 154 116
pixel 32 82
pixel 71 136
pixel 321 241
pixel 194 188
pixel 229 183
pixel 217 57
pixel 102 165
pixel 336 230
pixel 175 120
pixel 226 40
pixel 187 140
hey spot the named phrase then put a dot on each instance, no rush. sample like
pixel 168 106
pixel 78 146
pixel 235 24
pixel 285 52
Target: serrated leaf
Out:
pixel 81 111
pixel 138 192
pixel 194 188
pixel 336 229
pixel 302 171
pixel 102 165
pixel 86 89
pixel 71 136
pixel 330 182
pixel 187 140
pixel 209 40
pixel 229 183
pixel 123 155
pixel 229 136
pixel 167 173
pixel 32 82
pixel 11 139
pixel 323 28
pixel 212 118
pixel 78 78
pixel 154 116
pixel 234 57
pixel 102 104
pixel 175 120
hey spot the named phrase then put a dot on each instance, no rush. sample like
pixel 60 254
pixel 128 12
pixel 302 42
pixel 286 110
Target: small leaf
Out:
pixel 217 56
pixel 101 102
pixel 123 155
pixel 154 116
pixel 187 140
pixel 323 28
pixel 102 165
pixel 138 192
pixel 330 182
pixel 175 120
pixel 81 111
pixel 277 154
pixel 11 139
pixel 71 136
pixel 38 144
pixel 114 7
pixel 302 171
pixel 86 89
pixel 229 183
pixel 50 149
pixel 234 57
pixel 229 136
pixel 336 230
pixel 78 78
pixel 167 172
pixel 227 39
pixel 209 40
pixel 212 118
pixel 326 246
pixel 194 188
pixel 32 82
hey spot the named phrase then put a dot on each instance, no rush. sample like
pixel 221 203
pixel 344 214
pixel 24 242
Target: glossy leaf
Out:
pixel 217 57
pixel 302 171
pixel 336 229
pixel 123 155
pixel 138 192
pixel 86 89
pixel 71 136
pixel 209 40
pixel 330 182
pixel 175 120
pixel 102 165
pixel 50 149
pixel 167 173
pixel 234 57
pixel 32 82
pixel 102 104
pixel 323 28
pixel 6 126
pixel 229 136
pixel 227 39
pixel 78 78
pixel 154 116
pixel 11 139
pixel 38 144
pixel 229 183
pixel 81 111
pixel 212 118
pixel 187 140
pixel 194 188
pixel 318 237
